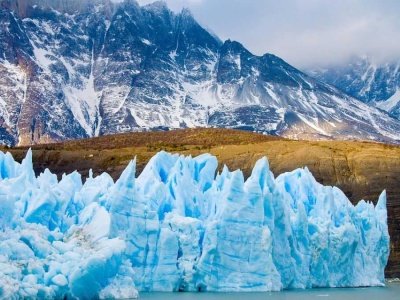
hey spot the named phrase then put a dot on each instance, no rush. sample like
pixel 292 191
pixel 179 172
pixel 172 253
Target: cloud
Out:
pixel 303 32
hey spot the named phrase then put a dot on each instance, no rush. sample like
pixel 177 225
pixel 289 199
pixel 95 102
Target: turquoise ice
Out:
pixel 180 227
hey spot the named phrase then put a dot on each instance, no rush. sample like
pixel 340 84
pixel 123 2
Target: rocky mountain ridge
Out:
pixel 74 69
pixel 366 79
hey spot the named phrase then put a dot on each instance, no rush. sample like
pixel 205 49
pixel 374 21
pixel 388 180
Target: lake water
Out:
pixel 390 292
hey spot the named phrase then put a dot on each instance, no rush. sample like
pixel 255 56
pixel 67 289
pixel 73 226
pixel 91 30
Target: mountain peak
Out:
pixel 23 8
pixel 363 77
pixel 157 6
pixel 186 12
pixel 144 68
pixel 233 47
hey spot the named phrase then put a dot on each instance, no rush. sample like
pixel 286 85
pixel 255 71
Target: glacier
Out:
pixel 182 226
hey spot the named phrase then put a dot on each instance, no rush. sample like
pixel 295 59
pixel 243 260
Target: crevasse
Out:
pixel 178 227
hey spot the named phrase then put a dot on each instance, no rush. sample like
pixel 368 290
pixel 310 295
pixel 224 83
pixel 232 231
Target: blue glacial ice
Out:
pixel 180 227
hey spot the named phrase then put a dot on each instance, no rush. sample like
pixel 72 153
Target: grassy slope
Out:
pixel 361 169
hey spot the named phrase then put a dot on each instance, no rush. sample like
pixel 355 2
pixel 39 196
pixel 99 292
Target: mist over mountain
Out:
pixel 367 79
pixel 76 69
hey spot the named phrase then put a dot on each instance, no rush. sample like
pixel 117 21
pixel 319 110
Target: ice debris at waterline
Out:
pixel 178 227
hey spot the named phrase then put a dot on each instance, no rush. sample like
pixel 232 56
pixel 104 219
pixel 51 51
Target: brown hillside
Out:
pixel 362 170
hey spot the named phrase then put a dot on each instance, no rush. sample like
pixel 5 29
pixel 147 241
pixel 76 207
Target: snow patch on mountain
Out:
pixel 376 83
pixel 89 69
pixel 391 103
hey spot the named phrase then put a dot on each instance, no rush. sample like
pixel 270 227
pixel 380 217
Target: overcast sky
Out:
pixel 303 32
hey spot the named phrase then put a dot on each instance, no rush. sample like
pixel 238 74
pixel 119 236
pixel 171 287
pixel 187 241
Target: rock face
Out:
pixel 375 83
pixel 75 69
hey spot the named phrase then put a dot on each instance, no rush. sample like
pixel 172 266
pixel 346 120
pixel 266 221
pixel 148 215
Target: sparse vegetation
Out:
pixel 203 137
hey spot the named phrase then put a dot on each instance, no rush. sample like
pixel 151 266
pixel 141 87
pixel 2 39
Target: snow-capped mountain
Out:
pixel 368 80
pixel 75 69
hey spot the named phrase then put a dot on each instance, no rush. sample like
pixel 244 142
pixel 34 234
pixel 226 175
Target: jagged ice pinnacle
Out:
pixel 178 227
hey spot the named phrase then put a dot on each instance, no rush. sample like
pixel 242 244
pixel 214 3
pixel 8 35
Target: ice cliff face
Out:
pixel 74 69
pixel 177 227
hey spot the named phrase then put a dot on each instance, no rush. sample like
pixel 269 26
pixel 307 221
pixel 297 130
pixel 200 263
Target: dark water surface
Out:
pixel 390 292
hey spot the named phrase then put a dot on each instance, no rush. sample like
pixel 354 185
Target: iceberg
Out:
pixel 181 226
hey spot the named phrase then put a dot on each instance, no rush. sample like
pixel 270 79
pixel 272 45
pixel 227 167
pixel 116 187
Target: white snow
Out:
pixel 270 90
pixel 368 77
pixel 84 103
pixel 173 55
pixel 202 93
pixel 47 28
pixel 390 103
pixel 147 42
pixel 42 58
pixel 238 62
pixel 4 112
pixel 312 125
pixel 14 89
